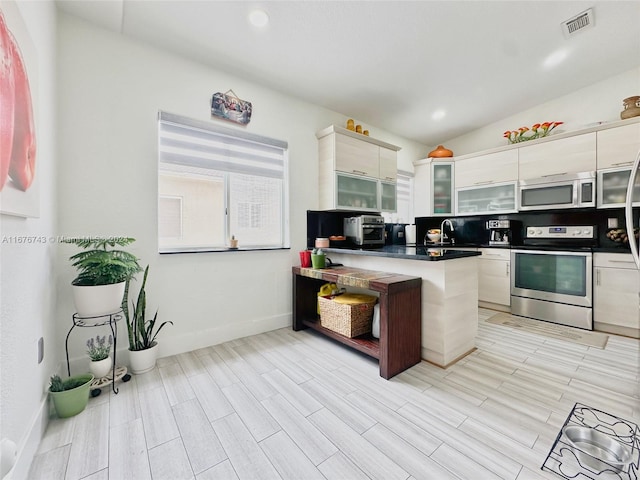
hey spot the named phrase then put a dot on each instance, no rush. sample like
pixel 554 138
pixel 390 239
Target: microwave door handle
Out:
pixel 628 211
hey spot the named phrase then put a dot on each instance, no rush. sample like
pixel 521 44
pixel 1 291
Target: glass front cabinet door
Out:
pixel 494 198
pixel 356 192
pixel 388 193
pixel 612 188
pixel 442 188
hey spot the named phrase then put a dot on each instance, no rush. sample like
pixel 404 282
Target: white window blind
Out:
pixel 404 196
pixel 231 183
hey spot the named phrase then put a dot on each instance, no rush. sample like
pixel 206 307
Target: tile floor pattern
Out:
pixel 295 405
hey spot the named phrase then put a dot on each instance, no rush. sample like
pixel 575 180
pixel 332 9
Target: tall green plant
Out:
pixel 100 264
pixel 142 333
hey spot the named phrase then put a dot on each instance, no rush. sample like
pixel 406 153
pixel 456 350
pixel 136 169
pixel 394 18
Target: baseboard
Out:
pixel 173 345
pixel 29 445
pixel 616 329
pixel 494 306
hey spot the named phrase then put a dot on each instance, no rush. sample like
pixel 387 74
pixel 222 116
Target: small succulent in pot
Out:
pixel 99 348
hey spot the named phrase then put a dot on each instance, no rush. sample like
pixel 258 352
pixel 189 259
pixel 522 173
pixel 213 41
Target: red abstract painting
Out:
pixel 17 125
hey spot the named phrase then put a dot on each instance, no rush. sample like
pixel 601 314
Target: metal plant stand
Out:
pixel 118 372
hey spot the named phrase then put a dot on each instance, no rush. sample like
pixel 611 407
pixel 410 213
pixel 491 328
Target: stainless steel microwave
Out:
pixel 577 190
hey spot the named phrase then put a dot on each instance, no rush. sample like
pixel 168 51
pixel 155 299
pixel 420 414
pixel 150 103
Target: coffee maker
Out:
pixel 500 232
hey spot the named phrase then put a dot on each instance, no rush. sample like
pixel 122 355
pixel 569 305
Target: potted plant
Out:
pixel 102 274
pixel 70 396
pixel 143 348
pixel 98 351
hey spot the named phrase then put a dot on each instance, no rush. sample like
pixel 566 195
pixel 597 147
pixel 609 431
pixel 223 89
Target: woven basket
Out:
pixel 348 319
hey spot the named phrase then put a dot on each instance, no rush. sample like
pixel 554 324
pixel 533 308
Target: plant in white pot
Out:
pixel 143 348
pixel 99 350
pixel 102 274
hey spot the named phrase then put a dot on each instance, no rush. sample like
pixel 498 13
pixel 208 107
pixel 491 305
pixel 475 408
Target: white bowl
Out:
pixel 433 237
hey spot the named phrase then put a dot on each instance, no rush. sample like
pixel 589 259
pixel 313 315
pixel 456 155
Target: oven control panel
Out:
pixel 558 231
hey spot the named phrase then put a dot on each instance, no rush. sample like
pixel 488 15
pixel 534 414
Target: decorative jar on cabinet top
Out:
pixel 440 152
pixel 631 107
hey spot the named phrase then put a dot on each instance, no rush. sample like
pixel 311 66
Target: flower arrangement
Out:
pixel 537 131
pixel 99 348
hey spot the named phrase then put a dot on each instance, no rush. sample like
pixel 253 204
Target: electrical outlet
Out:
pixel 612 223
pixel 40 350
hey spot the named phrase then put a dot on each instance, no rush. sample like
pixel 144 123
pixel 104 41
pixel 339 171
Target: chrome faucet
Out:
pixel 446 220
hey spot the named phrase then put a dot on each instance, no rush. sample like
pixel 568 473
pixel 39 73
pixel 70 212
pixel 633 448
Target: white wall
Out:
pixel 110 89
pixel 600 102
pixel 28 286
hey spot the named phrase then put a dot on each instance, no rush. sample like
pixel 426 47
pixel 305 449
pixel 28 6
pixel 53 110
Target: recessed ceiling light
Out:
pixel 258 18
pixel 554 59
pixel 438 114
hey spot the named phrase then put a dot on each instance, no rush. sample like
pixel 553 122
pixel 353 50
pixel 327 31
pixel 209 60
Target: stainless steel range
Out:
pixel 552 275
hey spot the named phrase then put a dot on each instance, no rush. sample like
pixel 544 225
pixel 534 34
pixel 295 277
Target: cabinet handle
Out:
pixel 508 269
pixel 554 175
pixel 621 261
pixel 483 183
pixel 359 172
pixel 620 164
pixel 598 276
pixel 389 178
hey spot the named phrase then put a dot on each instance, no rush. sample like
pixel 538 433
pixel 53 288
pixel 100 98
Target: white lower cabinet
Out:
pixel 494 276
pixel 615 294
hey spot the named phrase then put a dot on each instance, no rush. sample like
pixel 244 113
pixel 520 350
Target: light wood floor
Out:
pixel 295 405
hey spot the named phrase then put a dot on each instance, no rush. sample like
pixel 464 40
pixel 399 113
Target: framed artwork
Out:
pixel 19 181
pixel 230 107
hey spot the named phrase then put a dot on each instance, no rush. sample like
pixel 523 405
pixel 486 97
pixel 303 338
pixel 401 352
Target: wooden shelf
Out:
pixel 400 300
pixel 366 344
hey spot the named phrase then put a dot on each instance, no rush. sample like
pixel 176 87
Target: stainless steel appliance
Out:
pixel 395 234
pixel 628 212
pixel 577 190
pixel 499 232
pixel 552 281
pixel 365 229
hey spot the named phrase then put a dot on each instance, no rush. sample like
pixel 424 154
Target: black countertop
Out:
pixel 407 253
pixel 445 252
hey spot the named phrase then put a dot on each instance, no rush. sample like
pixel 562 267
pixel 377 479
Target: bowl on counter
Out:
pixel 433 237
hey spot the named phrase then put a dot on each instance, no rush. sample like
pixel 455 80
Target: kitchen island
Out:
pixel 449 293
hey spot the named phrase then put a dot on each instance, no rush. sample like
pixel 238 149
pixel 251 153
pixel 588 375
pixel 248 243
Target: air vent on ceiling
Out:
pixel 578 23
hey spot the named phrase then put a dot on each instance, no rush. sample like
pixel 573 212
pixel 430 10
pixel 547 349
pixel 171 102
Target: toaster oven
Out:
pixel 365 229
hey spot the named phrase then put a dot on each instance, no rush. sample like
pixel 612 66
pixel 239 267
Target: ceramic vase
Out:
pixel 71 402
pixel 98 300
pixel 101 368
pixel 142 361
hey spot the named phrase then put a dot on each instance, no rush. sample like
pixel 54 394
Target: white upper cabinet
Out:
pixel 486 169
pixel 388 165
pixel 356 172
pixel 356 157
pixel 556 157
pixel 346 151
pixel 618 147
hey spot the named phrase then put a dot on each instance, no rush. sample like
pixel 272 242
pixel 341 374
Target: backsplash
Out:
pixel 471 229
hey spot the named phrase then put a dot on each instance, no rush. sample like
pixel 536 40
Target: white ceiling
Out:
pixel 391 64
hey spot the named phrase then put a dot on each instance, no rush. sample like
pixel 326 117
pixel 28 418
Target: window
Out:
pixel 404 199
pixel 215 182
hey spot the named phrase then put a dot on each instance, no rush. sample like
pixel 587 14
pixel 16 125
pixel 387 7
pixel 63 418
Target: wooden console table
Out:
pixel 400 313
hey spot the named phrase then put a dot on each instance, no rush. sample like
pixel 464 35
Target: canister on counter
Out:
pixel 322 243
